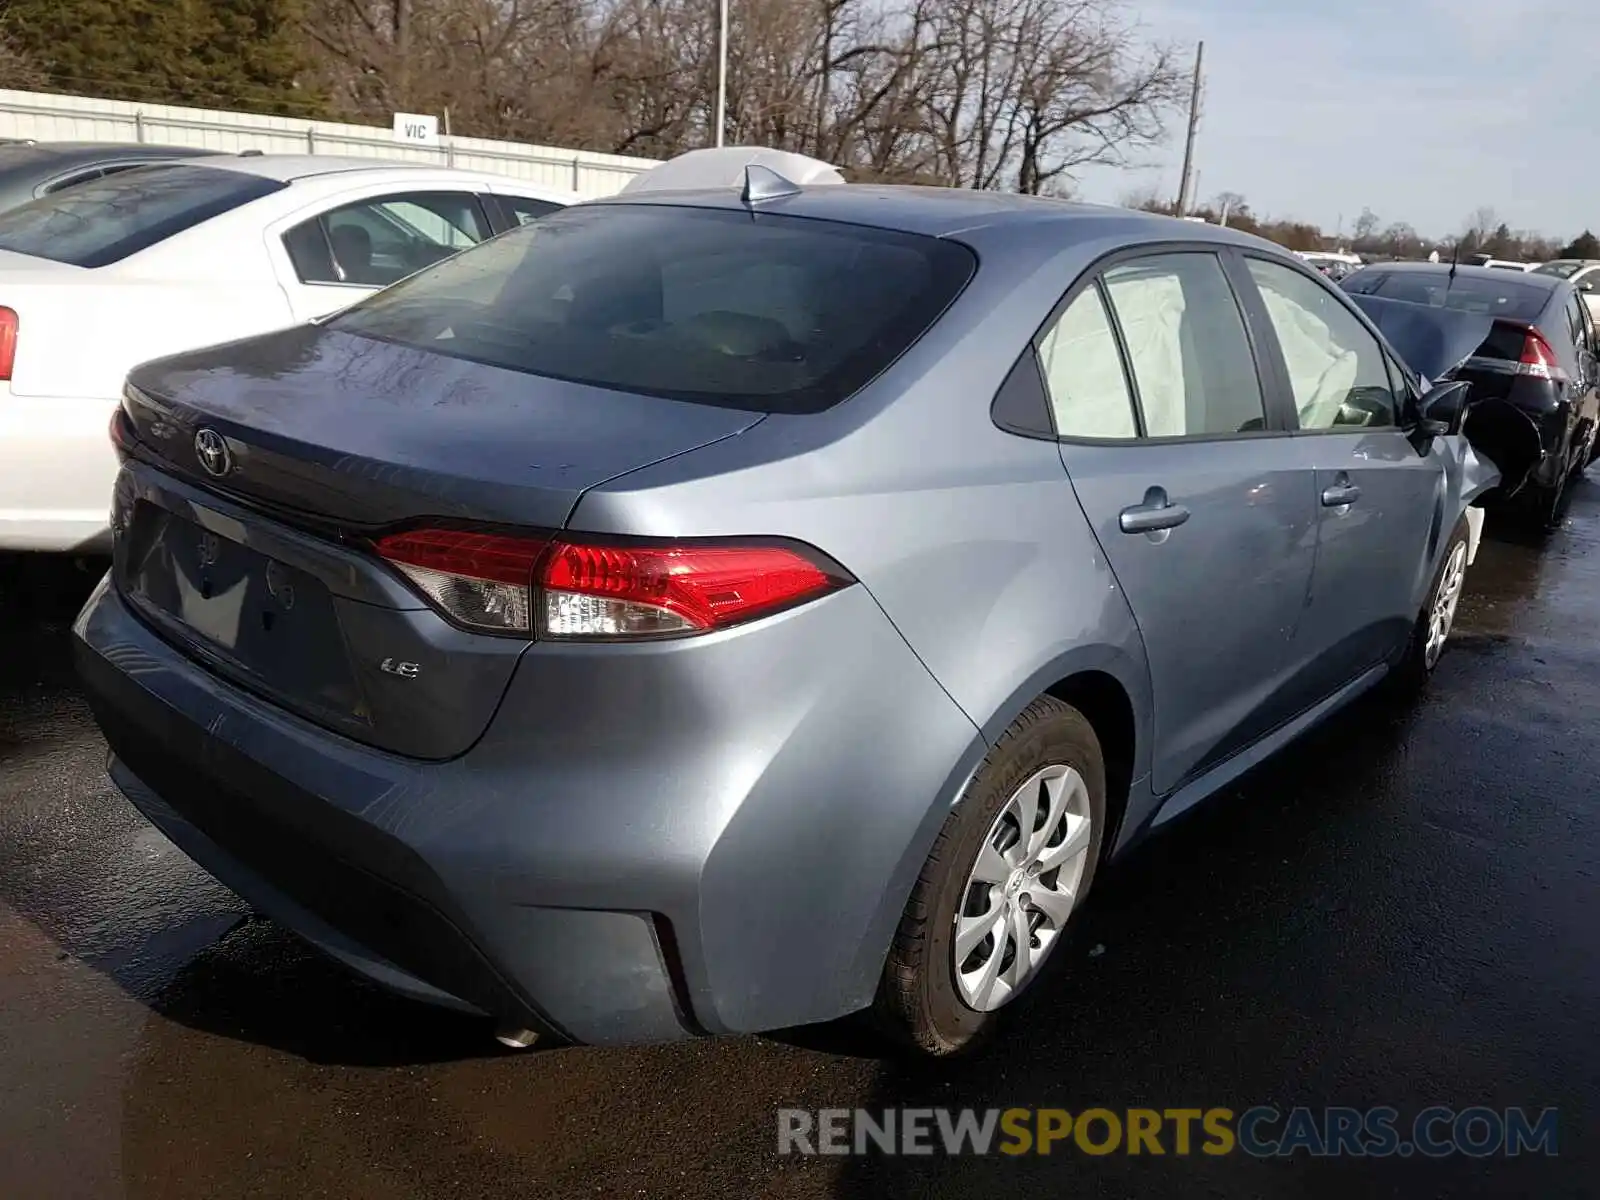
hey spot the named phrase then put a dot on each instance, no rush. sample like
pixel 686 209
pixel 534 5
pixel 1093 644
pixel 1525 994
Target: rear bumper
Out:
pixel 57 469
pixel 1552 415
pixel 633 853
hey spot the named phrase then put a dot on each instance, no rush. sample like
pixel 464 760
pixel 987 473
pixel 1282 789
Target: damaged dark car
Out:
pixel 1526 344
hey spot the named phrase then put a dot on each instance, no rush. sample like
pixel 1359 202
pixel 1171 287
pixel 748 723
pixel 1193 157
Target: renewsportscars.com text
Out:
pixel 1262 1131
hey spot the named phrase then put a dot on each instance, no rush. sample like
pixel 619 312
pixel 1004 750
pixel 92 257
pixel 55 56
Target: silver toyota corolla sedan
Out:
pixel 721 611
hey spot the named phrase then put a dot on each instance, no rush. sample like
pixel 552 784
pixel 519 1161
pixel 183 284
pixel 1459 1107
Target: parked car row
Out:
pixel 725 609
pixel 1538 354
pixel 1333 265
pixel 143 258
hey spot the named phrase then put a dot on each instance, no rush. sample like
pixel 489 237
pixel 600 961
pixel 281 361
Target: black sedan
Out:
pixel 29 170
pixel 1539 356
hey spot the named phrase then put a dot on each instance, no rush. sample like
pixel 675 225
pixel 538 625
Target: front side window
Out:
pixel 765 312
pixel 1192 365
pixel 1337 369
pixel 1083 375
pixel 524 208
pixel 105 220
pixel 374 243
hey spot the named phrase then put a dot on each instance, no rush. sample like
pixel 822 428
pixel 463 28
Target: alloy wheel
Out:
pixel 1022 887
pixel 1442 613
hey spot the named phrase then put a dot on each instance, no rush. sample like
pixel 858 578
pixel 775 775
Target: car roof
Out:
pixel 66 153
pixel 285 168
pixel 949 212
pixel 1463 271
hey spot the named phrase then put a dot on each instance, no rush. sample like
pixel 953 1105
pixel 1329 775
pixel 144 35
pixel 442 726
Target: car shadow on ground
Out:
pixel 253 981
pixel 166 934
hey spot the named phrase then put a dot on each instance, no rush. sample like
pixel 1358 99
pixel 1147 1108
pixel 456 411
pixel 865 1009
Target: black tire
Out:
pixel 1413 670
pixel 1548 505
pixel 919 1005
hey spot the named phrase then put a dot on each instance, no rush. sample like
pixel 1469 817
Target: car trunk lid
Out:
pixel 359 433
pixel 261 566
pixel 1444 344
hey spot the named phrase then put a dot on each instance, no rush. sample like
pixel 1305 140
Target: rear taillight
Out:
pixel 8 342
pixel 571 589
pixel 121 436
pixel 617 591
pixel 481 580
pixel 1539 358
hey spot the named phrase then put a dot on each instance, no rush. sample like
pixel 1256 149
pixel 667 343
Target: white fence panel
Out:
pixel 47 117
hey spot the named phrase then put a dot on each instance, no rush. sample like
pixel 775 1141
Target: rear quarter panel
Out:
pixel 969 538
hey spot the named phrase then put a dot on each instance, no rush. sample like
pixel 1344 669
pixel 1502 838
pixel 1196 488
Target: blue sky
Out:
pixel 1422 110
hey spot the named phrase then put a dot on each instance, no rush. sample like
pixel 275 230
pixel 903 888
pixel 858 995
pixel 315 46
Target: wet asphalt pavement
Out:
pixel 1402 910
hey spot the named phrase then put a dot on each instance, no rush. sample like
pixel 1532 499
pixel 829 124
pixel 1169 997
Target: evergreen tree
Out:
pixel 211 53
pixel 1585 245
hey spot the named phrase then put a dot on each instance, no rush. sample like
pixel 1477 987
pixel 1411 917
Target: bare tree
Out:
pixel 1232 203
pixel 1479 227
pixel 1400 239
pixel 1366 228
pixel 1021 93
pixel 978 93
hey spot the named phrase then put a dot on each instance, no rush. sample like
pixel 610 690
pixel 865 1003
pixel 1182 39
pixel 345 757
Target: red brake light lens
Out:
pixel 121 435
pixel 8 342
pixel 616 591
pixel 577 590
pixel 1539 358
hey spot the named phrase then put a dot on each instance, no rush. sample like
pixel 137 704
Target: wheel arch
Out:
pixel 1106 705
pixel 1112 689
pixel 1104 682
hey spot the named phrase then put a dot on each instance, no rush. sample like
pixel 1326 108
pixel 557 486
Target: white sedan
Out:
pixel 101 277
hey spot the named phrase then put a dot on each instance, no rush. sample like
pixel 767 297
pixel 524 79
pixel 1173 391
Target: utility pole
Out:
pixel 1194 123
pixel 722 69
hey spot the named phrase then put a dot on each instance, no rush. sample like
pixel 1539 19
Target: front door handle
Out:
pixel 1340 495
pixel 1153 515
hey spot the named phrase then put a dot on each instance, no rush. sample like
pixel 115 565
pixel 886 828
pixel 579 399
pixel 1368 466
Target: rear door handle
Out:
pixel 1153 515
pixel 1340 494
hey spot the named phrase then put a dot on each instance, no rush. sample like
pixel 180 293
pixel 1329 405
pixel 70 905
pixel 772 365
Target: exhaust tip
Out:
pixel 516 1039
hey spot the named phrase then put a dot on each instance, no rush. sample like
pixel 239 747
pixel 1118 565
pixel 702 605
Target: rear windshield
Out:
pixel 104 221
pixel 1490 297
pixel 1562 270
pixel 764 312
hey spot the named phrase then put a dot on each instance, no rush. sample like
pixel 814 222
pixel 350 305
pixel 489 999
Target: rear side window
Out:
pixel 105 220
pixel 66 181
pixel 373 243
pixel 1191 359
pixel 766 312
pixel 1083 373
pixel 1575 323
pixel 523 209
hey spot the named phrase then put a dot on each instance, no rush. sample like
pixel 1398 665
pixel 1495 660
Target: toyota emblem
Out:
pixel 212 450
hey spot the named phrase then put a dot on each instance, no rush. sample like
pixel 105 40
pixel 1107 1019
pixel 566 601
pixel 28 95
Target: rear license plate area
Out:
pixel 250 614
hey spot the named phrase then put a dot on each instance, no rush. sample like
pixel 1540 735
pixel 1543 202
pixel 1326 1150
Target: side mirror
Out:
pixel 1586 285
pixel 1442 410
